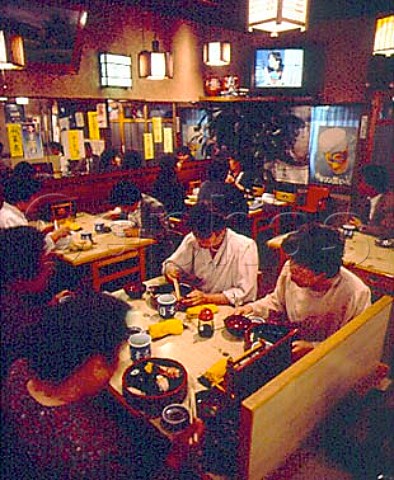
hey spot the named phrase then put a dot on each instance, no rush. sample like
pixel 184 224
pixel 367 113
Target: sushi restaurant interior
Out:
pixel 197 239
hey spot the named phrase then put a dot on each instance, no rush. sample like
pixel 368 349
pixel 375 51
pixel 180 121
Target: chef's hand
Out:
pixel 244 310
pixel 196 297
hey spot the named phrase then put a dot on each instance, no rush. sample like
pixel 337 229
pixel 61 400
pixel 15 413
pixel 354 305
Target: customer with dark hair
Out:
pixel 167 187
pixel 221 264
pixel 183 154
pixel 24 170
pixel 316 293
pixel 147 217
pixel 17 193
pixel 131 160
pixel 376 202
pixel 224 196
pixel 52 399
pixel 110 161
pixel 49 393
pixel 25 272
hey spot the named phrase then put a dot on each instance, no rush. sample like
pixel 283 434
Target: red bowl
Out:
pixel 237 325
pixel 152 404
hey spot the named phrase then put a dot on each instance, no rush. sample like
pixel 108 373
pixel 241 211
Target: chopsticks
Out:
pixel 177 289
pixel 193 410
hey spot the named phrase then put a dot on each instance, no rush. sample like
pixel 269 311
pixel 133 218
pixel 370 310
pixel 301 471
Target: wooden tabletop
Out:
pixel 360 251
pixel 195 353
pixel 105 244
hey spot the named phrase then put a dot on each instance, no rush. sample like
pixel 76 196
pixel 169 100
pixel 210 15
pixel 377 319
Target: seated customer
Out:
pixel 51 397
pixel 147 214
pixel 25 272
pixel 221 264
pixel 17 194
pixel 376 205
pixel 49 393
pixel 148 219
pixel 228 199
pixel 316 293
pixel 167 187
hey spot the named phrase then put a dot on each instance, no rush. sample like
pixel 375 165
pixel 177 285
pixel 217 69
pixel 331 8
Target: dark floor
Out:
pixel 355 443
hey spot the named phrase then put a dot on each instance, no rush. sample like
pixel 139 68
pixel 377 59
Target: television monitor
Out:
pixel 286 70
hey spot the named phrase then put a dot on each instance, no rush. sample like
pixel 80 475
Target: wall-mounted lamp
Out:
pixel 217 54
pixel 155 65
pixel 277 16
pixel 12 56
pixel 115 70
pixel 384 36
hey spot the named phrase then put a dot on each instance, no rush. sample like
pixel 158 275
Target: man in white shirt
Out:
pixel 17 194
pixel 315 292
pixel 222 265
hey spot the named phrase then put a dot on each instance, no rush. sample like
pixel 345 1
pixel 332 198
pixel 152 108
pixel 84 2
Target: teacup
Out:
pixel 166 305
pixel 99 227
pixel 140 346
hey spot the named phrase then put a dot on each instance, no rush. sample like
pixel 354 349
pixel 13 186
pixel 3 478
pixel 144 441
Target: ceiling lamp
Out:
pixel 384 36
pixel 277 16
pixel 155 65
pixel 12 56
pixel 217 54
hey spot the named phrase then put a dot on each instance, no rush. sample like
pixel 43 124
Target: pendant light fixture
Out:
pixel 384 36
pixel 217 54
pixel 12 55
pixel 277 16
pixel 154 64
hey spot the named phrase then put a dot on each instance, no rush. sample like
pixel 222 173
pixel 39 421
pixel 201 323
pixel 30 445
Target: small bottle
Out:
pixel 206 324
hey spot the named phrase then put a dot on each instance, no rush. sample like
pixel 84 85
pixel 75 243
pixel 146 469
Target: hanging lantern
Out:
pixel 217 54
pixel 155 65
pixel 12 56
pixel 277 16
pixel 384 36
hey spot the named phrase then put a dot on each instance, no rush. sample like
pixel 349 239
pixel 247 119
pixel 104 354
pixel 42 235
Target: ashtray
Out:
pixel 175 417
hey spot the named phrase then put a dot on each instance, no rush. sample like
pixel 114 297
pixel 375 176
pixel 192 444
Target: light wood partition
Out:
pixel 278 417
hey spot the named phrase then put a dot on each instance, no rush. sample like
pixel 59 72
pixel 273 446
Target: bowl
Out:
pixel 141 386
pixel 175 417
pixel 118 227
pixel 237 325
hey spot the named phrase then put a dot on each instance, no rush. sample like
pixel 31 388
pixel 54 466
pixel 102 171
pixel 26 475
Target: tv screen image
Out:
pixel 279 68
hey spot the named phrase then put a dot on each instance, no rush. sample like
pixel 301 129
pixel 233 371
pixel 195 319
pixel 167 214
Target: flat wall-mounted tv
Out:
pixel 286 70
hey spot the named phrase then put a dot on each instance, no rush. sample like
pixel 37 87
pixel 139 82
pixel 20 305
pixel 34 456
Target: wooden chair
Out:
pixel 193 184
pixel 62 211
pixel 316 199
pixel 102 277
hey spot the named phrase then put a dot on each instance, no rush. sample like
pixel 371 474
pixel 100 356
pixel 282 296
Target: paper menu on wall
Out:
pixel 168 146
pixel 149 152
pixel 157 129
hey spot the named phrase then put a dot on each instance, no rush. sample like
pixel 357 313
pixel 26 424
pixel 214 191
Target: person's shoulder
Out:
pixel 239 239
pixel 352 281
pixel 153 202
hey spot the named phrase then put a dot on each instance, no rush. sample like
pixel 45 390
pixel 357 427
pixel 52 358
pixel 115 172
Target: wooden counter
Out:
pixel 91 191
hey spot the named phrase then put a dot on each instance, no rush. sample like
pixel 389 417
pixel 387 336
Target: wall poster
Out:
pixel 333 144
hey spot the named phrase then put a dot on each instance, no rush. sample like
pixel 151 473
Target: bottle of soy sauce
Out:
pixel 206 324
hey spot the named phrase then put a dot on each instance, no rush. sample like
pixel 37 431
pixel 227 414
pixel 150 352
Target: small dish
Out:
pixel 118 227
pixel 175 417
pixel 237 325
